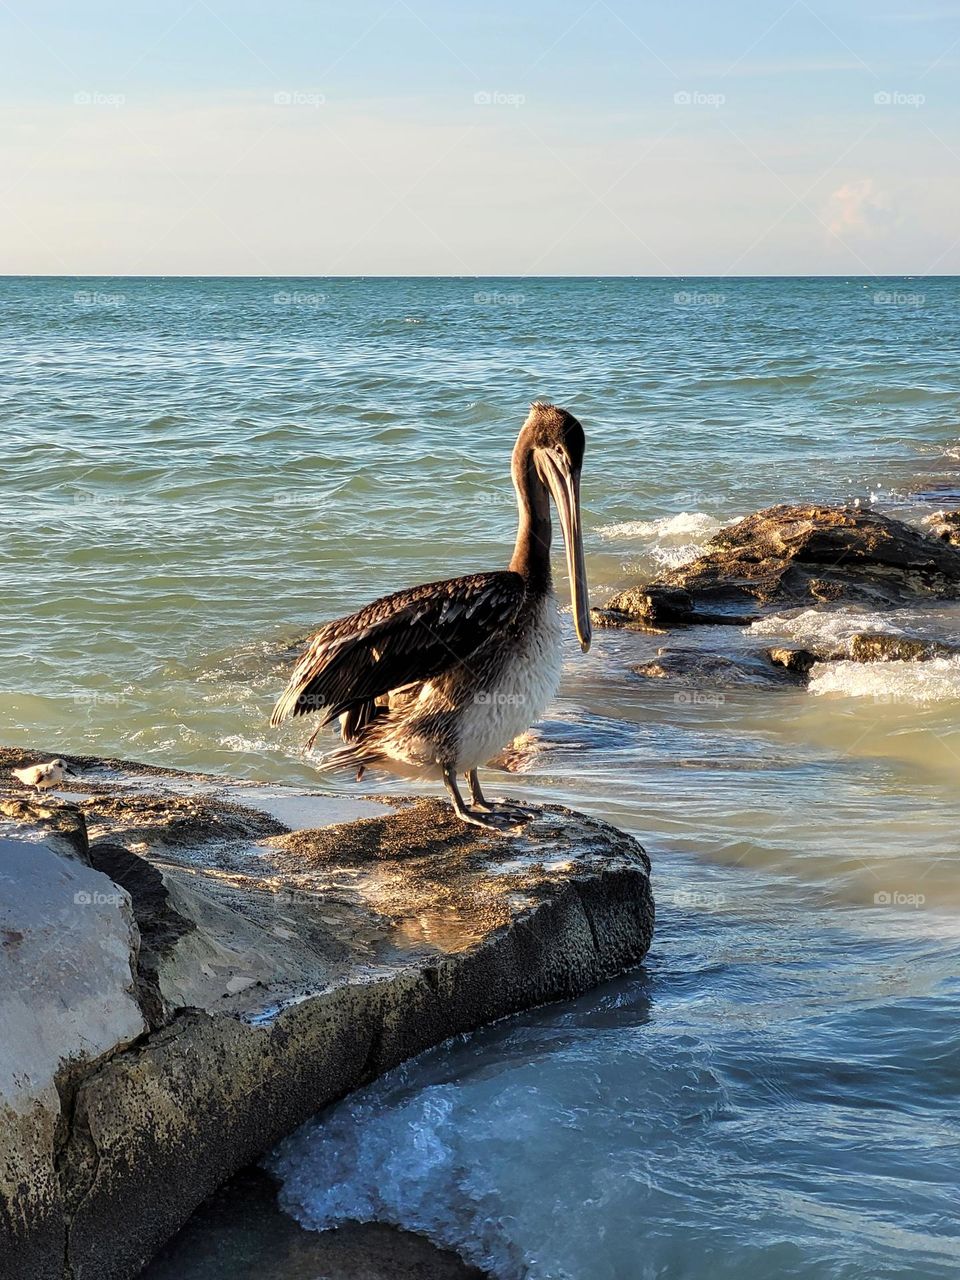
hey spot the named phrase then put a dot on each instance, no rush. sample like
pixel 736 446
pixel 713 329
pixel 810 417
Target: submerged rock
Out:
pixel 698 669
pixel 241 1232
pixel 798 555
pixel 191 967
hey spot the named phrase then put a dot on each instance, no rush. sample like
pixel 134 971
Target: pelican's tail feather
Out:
pixel 352 758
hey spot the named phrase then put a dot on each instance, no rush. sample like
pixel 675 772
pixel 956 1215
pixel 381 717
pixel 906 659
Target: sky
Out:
pixel 508 137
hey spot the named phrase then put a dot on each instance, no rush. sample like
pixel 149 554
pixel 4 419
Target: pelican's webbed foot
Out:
pixel 479 813
pixel 518 812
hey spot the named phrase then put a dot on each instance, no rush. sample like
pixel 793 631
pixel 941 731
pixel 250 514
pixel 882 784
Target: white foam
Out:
pixel 934 680
pixel 676 539
pixel 687 524
pixel 820 629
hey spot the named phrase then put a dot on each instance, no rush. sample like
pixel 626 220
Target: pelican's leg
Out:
pixel 506 808
pixel 476 795
pixel 492 821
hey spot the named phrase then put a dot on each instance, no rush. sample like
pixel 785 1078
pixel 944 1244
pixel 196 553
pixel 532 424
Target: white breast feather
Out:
pixel 524 689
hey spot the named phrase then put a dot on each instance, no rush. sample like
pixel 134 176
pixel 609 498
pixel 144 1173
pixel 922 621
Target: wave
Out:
pixel 759 380
pixel 677 539
pixel 834 630
pixel 688 523
pixel 910 683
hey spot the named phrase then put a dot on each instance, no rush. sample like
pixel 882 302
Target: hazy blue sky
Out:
pixel 506 137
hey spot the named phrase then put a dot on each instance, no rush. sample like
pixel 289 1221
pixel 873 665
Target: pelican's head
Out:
pixel 553 441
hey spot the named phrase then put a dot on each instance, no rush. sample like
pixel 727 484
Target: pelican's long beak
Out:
pixel 565 486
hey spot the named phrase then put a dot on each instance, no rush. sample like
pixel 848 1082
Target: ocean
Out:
pixel 196 472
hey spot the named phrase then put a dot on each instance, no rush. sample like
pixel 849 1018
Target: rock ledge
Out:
pixel 191 967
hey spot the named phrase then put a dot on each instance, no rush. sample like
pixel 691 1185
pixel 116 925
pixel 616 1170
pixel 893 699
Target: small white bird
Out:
pixel 42 776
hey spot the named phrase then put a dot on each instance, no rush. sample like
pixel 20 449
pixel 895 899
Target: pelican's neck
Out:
pixel 531 554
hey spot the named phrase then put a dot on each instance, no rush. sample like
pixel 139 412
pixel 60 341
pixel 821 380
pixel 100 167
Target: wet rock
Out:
pixel 885 647
pixel 945 525
pixel 797 661
pixel 249 954
pixel 798 555
pixel 660 607
pixel 695 668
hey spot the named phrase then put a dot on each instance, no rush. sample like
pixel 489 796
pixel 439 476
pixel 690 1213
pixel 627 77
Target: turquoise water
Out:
pixel 196 472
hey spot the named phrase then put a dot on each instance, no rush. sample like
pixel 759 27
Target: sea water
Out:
pixel 197 472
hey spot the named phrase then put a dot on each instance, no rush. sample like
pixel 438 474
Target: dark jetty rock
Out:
pixel 790 556
pixel 190 967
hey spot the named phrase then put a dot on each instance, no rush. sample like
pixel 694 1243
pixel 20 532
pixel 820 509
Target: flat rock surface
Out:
pixel 247 955
pixel 797 555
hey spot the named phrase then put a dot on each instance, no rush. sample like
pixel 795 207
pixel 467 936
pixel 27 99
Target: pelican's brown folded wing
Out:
pixel 409 636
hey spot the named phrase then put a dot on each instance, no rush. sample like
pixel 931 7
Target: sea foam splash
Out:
pixel 916 683
pixel 687 524
pixel 409 1164
pixel 677 539
pixel 830 629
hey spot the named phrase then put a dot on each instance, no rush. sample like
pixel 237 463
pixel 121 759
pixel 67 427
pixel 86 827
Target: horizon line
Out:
pixel 587 275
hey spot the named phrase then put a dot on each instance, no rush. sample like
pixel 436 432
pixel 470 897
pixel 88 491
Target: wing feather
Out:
pixel 409 636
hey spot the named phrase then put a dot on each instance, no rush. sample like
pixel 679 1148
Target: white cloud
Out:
pixel 860 208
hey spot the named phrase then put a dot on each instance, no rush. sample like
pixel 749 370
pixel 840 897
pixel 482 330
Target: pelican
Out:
pixel 43 776
pixel 433 681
